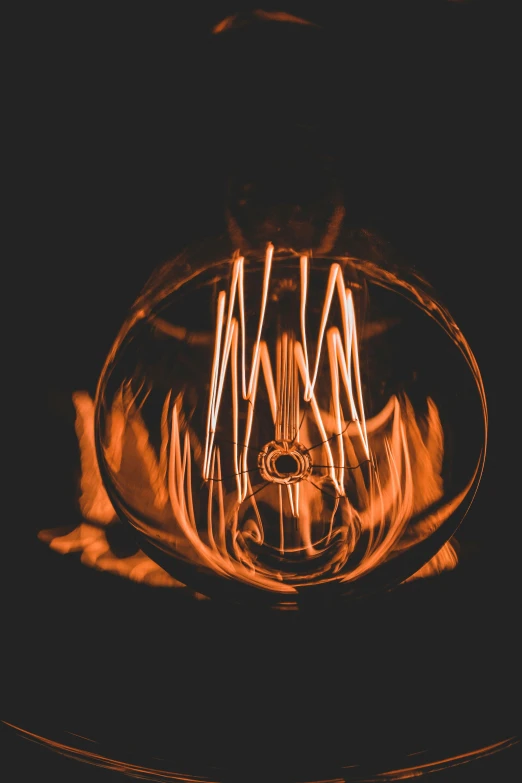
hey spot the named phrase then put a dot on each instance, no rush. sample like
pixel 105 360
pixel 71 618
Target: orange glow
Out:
pixel 89 537
pixel 353 479
pixel 99 760
pixel 356 773
pixel 259 15
pixel 389 465
pixel 446 559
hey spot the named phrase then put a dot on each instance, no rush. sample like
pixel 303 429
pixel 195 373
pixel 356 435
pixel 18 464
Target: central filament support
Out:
pixel 283 462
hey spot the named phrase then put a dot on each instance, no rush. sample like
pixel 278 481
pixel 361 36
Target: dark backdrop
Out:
pixel 133 117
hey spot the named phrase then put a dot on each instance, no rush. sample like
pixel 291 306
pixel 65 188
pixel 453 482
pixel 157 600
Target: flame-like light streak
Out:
pixel 350 342
pixel 269 380
pixel 93 499
pixel 250 17
pixel 343 363
pixel 388 489
pixel 220 360
pixel 176 486
pixel 379 500
pixel 247 394
pixel 287 417
pixel 318 417
pixel 356 773
pixel 324 317
pixel 248 430
pixel 235 411
pixel 127 768
pixel 215 554
pixel 213 382
pixel 393 499
pixel 451 761
pixel 281 520
pixel 292 360
pixel 89 537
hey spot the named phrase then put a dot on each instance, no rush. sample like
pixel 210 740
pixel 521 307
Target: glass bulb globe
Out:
pixel 277 425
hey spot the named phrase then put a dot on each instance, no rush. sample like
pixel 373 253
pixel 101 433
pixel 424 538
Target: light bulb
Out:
pixel 277 424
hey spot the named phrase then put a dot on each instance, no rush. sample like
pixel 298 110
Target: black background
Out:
pixel 132 117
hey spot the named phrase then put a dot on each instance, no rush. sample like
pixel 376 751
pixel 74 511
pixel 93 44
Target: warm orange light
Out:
pixel 347 478
pixel 97 758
